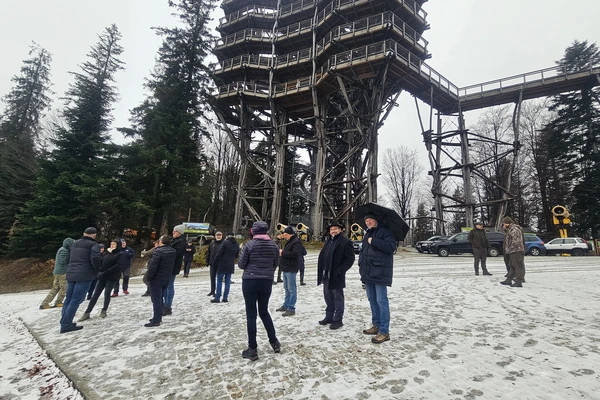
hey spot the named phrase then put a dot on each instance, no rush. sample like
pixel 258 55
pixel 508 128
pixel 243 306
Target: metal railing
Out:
pixel 261 35
pixel 523 80
pixel 302 5
pixel 331 8
pixel 388 48
pixel 263 61
pixel 250 11
pixel 296 7
pixel 364 25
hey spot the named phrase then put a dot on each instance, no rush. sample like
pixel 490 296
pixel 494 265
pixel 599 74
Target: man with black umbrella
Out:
pixel 376 263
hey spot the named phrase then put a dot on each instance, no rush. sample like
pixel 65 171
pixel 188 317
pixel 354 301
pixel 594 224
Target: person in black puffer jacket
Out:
pixel 225 266
pixel 258 260
pixel 160 269
pixel 112 262
pixel 84 257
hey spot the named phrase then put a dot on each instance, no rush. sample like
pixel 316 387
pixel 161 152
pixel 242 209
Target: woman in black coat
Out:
pixel 112 263
pixel 225 266
pixel 160 270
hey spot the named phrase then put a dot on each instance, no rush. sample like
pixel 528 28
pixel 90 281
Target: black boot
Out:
pixel 508 281
pixel 477 271
pixel 516 284
pixel 250 354
pixel 486 272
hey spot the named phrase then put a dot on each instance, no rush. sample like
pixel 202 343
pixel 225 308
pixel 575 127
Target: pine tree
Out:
pixel 424 225
pixel 170 124
pixel 73 179
pixel 575 136
pixel 19 129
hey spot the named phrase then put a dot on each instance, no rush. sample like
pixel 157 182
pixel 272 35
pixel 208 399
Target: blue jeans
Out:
pixel 291 293
pixel 220 283
pixel 257 292
pixel 170 292
pixel 380 307
pixel 76 292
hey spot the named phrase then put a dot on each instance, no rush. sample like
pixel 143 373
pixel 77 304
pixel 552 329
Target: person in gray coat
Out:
pixel 59 286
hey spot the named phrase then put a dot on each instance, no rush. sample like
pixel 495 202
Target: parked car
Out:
pixel 458 244
pixel 575 246
pixel 423 245
pixel 534 246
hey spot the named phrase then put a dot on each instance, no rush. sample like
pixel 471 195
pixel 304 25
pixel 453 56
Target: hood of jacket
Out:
pixel 67 243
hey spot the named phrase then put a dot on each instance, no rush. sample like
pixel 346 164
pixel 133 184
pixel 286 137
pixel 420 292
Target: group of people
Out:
pixel 514 251
pixel 80 262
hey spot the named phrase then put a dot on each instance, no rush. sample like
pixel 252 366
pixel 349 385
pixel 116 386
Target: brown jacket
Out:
pixel 514 240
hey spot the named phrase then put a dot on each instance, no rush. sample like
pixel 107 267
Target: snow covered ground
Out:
pixel 454 336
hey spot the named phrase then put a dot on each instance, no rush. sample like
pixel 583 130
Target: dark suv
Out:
pixel 458 244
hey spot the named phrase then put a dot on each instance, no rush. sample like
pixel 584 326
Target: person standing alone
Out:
pixel 376 264
pixel 479 240
pixel 84 258
pixel 211 260
pixel 335 260
pixel 188 257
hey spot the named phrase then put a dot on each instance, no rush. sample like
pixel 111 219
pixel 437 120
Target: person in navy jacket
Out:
pixel 376 266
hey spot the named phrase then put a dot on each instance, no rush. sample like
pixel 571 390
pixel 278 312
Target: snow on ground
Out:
pixel 453 336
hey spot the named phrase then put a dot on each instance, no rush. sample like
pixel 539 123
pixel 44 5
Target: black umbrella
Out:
pixel 386 217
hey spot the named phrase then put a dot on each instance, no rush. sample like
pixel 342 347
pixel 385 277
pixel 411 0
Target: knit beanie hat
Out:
pixel 507 220
pixel 260 227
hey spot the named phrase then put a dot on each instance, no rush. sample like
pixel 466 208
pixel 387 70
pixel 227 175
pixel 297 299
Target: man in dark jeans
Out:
pixel 478 239
pixel 83 264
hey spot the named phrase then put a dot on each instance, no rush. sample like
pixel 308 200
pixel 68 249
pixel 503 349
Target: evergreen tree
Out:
pixel 575 135
pixel 424 225
pixel 169 125
pixel 19 128
pixel 72 182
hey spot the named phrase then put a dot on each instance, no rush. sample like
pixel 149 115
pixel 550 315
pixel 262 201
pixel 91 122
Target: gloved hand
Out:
pixel 100 275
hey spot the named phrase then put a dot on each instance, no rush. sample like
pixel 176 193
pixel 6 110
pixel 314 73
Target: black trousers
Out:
pixel 157 289
pixel 257 292
pixel 186 267
pixel 213 278
pixel 101 285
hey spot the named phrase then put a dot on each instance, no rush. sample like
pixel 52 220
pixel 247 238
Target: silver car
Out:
pixel 571 245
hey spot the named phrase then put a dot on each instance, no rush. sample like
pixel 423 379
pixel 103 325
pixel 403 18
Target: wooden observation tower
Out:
pixel 321 76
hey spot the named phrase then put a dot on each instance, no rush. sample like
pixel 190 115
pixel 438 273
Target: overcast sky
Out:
pixel 471 41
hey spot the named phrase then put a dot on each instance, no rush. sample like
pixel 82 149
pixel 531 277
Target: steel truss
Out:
pixel 315 76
